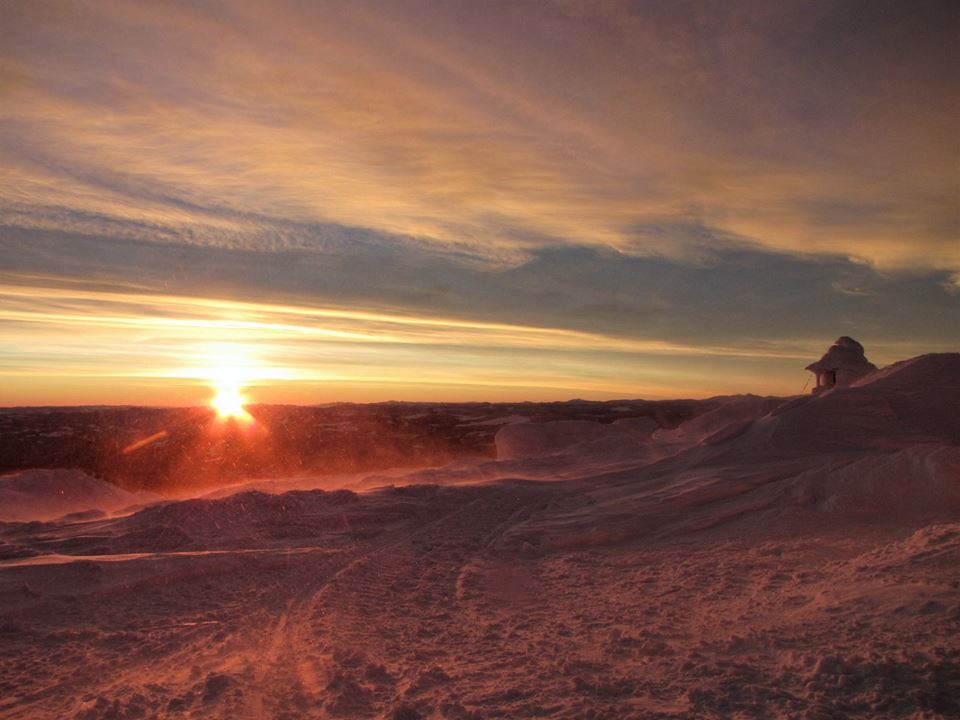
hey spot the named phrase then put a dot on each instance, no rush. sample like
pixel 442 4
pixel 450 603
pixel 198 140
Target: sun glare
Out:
pixel 229 403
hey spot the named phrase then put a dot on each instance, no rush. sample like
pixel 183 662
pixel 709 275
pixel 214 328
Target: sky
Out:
pixel 470 200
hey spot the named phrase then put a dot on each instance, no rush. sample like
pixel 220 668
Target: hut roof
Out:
pixel 845 354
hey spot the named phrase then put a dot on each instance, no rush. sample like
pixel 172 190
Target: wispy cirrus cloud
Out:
pixel 805 127
pixel 715 180
pixel 570 321
pixel 310 352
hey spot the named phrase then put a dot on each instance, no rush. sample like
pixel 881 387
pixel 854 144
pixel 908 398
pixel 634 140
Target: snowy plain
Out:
pixel 770 558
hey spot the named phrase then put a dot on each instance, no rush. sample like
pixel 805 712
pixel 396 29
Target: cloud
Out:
pixel 568 321
pixel 815 129
pixel 733 183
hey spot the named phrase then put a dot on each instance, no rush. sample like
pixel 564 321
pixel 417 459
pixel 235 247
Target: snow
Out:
pixel 846 359
pixel 793 558
pixel 49 494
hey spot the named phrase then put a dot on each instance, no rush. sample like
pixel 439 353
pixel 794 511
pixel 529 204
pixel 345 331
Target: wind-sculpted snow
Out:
pixel 907 403
pixel 49 494
pixel 792 558
pixel 915 484
pixel 576 436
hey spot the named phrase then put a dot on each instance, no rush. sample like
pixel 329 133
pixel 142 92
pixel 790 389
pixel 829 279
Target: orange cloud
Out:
pixel 491 131
pixel 425 151
pixel 80 335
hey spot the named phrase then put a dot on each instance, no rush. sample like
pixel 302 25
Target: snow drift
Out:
pixel 535 440
pixel 49 494
pixel 772 558
pixel 882 450
pixel 912 485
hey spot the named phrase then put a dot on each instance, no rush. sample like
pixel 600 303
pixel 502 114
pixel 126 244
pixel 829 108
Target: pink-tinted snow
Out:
pixel 774 558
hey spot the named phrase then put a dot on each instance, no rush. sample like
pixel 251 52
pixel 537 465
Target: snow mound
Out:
pixel 50 494
pixel 725 422
pixel 529 440
pixel 883 451
pixel 918 484
pixel 239 518
pixel 910 402
pixel 933 371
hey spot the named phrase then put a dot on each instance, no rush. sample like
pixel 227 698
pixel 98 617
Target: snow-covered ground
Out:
pixel 770 558
pixel 51 494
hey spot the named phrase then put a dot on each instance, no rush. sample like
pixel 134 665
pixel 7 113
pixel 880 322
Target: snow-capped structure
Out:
pixel 844 363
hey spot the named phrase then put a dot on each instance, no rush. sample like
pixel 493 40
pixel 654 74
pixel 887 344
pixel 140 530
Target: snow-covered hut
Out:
pixel 844 363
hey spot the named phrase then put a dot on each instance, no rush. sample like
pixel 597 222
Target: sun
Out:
pixel 229 402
